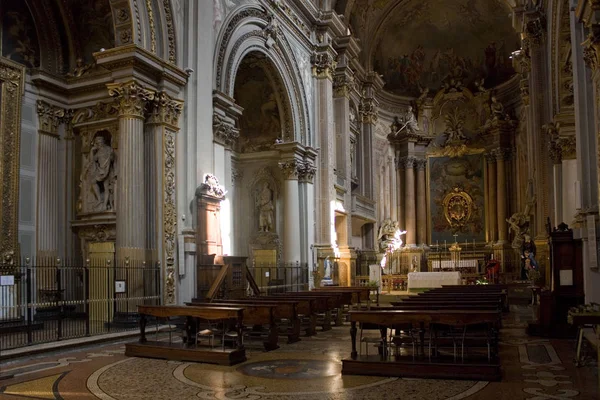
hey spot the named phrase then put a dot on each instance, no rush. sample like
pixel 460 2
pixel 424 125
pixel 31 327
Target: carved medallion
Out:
pixel 458 207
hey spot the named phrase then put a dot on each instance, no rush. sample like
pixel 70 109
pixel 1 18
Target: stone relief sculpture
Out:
pixel 496 109
pixel 211 187
pixel 98 177
pixel 407 123
pixel 266 208
pixel 387 230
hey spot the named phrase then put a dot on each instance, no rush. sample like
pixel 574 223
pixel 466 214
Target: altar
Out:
pixel 426 280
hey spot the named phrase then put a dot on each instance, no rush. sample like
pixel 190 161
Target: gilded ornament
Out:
pixel 131 98
pixel 152 27
pixel 12 86
pixel 458 207
pixel 291 169
pixel 169 215
pixel 165 110
pixel 323 65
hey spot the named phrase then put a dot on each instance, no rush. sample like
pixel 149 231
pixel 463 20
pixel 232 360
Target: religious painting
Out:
pixel 438 43
pixel 260 124
pixel 19 38
pixel 456 198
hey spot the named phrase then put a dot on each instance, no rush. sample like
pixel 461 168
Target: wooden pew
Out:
pixel 345 298
pixel 188 351
pixel 320 305
pixel 360 294
pixel 283 310
pixel 254 315
pixel 306 307
pixel 423 367
pixel 333 303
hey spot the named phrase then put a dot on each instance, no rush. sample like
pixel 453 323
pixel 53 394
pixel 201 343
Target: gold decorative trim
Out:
pixel 169 215
pixel 170 31
pixel 12 83
pixel 131 98
pixel 152 26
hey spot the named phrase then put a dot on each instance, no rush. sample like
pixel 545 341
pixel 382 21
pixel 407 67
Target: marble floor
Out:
pixel 533 368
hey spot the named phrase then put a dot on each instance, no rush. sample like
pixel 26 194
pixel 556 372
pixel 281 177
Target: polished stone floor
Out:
pixel 533 368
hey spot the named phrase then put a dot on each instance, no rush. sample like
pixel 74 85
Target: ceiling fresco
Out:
pixel 433 43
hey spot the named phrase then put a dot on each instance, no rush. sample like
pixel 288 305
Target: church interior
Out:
pixel 317 199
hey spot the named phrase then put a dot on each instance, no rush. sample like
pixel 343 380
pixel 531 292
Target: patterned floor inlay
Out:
pixel 533 369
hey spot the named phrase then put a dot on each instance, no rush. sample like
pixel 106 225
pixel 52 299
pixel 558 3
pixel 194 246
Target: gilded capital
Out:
pixel 406 162
pixel 131 98
pixel 291 169
pixel 368 111
pixel 420 164
pixel 323 65
pixel 165 110
pixel 343 84
pixel 50 117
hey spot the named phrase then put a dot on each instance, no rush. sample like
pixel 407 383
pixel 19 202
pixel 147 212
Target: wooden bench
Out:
pixel 284 310
pixel 421 367
pixel 256 316
pixel 325 304
pixel 307 310
pixel 189 351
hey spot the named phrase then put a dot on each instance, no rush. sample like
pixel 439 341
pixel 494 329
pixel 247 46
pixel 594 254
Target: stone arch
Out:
pixel 252 30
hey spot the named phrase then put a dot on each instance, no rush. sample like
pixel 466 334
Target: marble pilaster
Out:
pixel 48 198
pixel 131 99
pixel 400 192
pixel 163 125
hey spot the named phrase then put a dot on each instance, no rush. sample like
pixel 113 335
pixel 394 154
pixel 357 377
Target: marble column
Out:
pixel 48 198
pixel 323 65
pixel 306 180
pixel 501 195
pixel 409 202
pixel 131 99
pixel 291 211
pixel 163 125
pixel 492 193
pixel 400 192
pixel 421 202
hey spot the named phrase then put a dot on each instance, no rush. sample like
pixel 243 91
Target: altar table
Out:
pixel 426 280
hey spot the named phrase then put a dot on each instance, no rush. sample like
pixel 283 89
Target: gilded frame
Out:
pixel 12 85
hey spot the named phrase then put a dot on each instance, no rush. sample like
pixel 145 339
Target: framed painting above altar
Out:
pixel 456 191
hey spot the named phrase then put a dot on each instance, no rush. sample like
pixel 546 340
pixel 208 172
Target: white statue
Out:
pixel 99 173
pixel 265 206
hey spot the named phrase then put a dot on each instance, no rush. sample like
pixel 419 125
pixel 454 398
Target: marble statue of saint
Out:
pixel 100 174
pixel 411 121
pixel 497 109
pixel 265 206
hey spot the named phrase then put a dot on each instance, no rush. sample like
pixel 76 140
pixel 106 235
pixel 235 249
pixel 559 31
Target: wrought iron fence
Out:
pixel 280 278
pixel 47 300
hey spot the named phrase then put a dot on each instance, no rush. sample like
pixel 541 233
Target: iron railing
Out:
pixel 47 300
pixel 280 278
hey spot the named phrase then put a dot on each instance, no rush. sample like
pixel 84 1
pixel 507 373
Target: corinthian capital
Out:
pixel 131 98
pixel 50 117
pixel 306 172
pixel 223 131
pixel 165 110
pixel 343 84
pixel 291 169
pixel 323 64
pixel 368 111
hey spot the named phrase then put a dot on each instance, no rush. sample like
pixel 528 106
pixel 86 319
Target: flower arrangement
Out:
pixel 482 281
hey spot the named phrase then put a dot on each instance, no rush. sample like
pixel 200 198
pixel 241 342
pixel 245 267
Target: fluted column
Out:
pixel 161 179
pixel 48 180
pixel 409 201
pixel 492 196
pixel 421 202
pixel 291 211
pixel 131 100
pixel 306 178
pixel 501 195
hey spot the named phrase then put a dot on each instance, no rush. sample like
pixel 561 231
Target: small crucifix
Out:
pixel 455 236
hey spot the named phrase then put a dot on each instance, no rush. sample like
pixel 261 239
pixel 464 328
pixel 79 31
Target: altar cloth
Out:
pixel 426 280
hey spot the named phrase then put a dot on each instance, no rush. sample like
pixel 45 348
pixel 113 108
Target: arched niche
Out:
pixel 252 31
